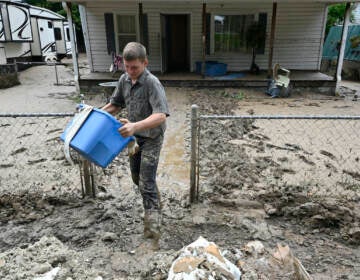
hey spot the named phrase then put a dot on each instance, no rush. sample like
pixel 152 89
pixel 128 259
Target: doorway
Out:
pixel 175 43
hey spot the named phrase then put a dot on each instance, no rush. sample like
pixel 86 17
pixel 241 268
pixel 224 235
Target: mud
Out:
pixel 42 229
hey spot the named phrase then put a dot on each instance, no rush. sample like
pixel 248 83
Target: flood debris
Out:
pixel 285 258
pixel 202 260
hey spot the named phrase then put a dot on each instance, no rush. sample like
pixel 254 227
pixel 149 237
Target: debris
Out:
pixel 109 236
pixel 284 257
pixel 49 275
pixel 254 247
pixel 202 260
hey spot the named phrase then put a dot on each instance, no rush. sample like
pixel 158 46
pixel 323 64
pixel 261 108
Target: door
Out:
pixel 175 43
pixel 47 37
pixel 59 37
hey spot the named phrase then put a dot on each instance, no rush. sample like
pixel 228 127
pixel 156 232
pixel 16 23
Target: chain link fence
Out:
pixel 251 155
pixel 31 154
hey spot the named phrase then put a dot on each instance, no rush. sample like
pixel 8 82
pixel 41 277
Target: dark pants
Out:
pixel 143 166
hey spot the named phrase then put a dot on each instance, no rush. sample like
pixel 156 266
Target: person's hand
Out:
pixel 133 148
pixel 127 129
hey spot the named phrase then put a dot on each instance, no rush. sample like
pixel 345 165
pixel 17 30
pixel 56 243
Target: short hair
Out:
pixel 133 51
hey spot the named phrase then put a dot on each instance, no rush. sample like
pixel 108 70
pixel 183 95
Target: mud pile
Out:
pixel 228 171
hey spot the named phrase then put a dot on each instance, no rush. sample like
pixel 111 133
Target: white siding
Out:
pixel 356 14
pixel 299 31
pixel 297 45
pixel 96 30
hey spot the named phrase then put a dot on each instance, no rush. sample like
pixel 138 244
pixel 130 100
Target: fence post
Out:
pixel 56 74
pixel 16 67
pixel 87 179
pixel 193 169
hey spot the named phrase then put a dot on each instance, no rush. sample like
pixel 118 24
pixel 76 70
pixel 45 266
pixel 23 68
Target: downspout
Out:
pixel 67 8
pixel 272 39
pixel 345 28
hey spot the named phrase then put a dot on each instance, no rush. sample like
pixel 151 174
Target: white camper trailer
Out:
pixel 15 31
pixel 31 33
pixel 49 27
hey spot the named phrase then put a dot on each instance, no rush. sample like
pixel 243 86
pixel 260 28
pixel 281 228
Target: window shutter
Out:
pixel 207 33
pixel 145 33
pixel 262 23
pixel 110 33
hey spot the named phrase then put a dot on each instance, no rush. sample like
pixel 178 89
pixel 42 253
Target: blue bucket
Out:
pixel 98 139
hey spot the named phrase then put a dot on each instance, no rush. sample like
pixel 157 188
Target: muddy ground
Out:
pixel 50 228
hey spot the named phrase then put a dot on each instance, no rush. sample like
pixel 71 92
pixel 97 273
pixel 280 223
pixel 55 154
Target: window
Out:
pixel 126 30
pixel 50 25
pixel 231 32
pixel 67 34
pixel 57 32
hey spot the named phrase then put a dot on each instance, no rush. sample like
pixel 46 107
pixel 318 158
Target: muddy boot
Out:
pixel 152 224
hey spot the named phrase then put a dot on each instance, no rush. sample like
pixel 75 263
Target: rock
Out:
pixel 250 275
pixel 254 247
pixel 109 236
pixel 49 275
pixel 202 260
pixel 198 220
pixel 258 230
pixel 270 210
pixel 42 268
pixel 355 233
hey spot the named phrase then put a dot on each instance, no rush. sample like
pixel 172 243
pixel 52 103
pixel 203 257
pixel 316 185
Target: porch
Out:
pixel 300 80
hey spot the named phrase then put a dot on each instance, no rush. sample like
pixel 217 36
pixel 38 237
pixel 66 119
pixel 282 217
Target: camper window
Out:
pixel 67 34
pixel 50 25
pixel 57 33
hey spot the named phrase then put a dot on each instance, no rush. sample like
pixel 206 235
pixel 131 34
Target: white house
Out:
pixel 178 33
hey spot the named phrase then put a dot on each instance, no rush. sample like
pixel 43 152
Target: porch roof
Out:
pixel 214 1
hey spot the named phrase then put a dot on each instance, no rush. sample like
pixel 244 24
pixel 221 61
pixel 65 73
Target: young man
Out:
pixel 144 98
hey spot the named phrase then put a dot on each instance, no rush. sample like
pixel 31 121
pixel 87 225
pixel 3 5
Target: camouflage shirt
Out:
pixel 145 97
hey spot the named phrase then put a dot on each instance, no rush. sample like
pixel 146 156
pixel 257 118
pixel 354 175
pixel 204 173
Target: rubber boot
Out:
pixel 152 224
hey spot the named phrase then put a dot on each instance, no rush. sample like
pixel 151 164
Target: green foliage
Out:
pixel 335 16
pixel 355 41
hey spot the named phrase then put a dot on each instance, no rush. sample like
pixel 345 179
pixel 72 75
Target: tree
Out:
pixel 335 16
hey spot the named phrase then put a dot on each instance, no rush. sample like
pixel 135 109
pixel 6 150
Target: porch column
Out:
pixel 67 8
pixel 272 37
pixel 203 37
pixel 343 42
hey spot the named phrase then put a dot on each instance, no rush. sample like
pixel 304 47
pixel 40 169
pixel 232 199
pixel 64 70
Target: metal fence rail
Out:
pixel 31 153
pixel 317 154
pixel 27 64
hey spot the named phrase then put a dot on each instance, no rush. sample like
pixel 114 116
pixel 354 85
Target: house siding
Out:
pixel 356 14
pixel 299 35
pixel 297 45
